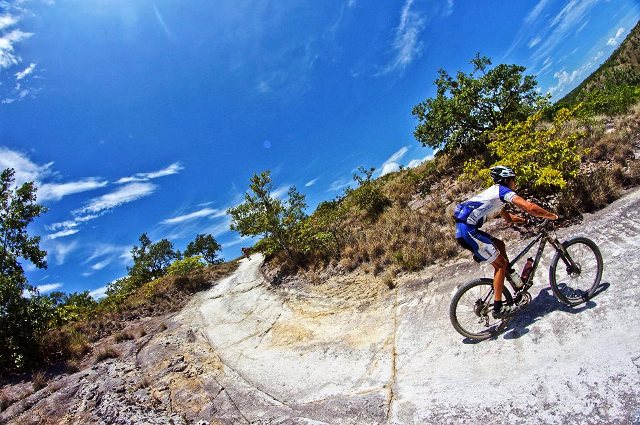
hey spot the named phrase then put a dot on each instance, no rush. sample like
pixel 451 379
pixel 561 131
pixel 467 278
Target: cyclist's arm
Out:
pixel 533 209
pixel 511 218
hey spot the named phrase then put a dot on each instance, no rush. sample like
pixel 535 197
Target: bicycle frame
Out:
pixel 543 238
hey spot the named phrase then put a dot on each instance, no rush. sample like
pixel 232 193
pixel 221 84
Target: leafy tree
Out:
pixel 468 106
pixel 151 260
pixel 262 214
pixel 22 319
pixel 205 246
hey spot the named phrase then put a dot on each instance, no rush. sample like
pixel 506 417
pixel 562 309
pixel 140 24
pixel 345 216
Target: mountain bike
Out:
pixel 574 276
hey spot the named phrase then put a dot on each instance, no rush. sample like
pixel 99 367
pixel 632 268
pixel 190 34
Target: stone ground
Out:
pixel 352 351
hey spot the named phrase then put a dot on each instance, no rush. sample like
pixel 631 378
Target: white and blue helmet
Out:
pixel 500 173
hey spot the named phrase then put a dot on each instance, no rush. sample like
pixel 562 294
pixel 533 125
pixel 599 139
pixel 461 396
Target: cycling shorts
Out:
pixel 476 241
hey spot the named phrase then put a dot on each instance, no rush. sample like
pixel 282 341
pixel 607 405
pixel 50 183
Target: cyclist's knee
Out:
pixel 500 262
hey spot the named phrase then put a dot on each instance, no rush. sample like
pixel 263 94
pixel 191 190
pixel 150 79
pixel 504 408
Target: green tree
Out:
pixel 22 320
pixel 205 246
pixel 263 214
pixel 151 260
pixel 468 106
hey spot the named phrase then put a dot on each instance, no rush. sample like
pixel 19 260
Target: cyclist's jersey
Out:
pixel 474 210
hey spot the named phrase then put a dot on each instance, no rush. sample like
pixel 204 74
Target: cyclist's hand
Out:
pixel 516 219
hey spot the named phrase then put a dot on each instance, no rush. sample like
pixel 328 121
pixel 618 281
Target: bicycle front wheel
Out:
pixel 471 307
pixel 575 279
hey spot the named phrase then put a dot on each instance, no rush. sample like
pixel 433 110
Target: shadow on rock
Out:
pixel 544 303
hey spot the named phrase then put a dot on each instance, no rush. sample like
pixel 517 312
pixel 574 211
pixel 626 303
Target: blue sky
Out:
pixel 151 116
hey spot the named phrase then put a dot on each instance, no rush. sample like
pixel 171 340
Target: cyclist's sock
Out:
pixel 497 305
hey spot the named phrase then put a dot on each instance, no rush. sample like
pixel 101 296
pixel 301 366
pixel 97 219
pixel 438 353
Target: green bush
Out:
pixel 543 156
pixel 185 266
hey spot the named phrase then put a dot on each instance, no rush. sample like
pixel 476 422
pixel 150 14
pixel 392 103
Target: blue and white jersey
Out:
pixel 474 210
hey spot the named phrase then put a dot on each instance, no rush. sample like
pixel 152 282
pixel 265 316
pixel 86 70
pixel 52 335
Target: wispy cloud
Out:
pixel 340 184
pixel 49 287
pixel 406 43
pixel 98 293
pixel 26 72
pixel 8 20
pixel 174 168
pixel 279 192
pixel 59 251
pixel 56 191
pixel 8 56
pixel 164 26
pixel 567 78
pixel 311 182
pixel 205 212
pixel 118 197
pixel 613 41
pixel 62 233
pixel 25 169
pixel 563 24
pixel 391 165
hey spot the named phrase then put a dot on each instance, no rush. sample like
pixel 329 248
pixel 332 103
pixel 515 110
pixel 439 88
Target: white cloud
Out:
pixel 162 23
pixel 102 264
pixel 174 168
pixel 8 57
pixel 391 165
pixel 99 293
pixel 25 169
pixel 7 21
pixel 27 71
pixel 340 184
pixel 311 182
pixel 536 11
pixel 280 192
pixel 205 212
pixel 565 23
pixel 49 287
pixel 567 79
pixel 534 42
pixel 415 162
pixel 123 195
pixel 616 39
pixel 218 229
pixel 60 251
pixel 406 43
pixel 62 233
pixel 56 191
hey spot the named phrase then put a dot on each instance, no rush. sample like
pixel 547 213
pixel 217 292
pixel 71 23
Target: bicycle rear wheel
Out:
pixel 574 280
pixel 471 307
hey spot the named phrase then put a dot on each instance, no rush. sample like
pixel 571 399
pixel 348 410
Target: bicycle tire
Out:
pixel 463 312
pixel 576 287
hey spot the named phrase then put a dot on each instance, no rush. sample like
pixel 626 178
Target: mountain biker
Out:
pixel 470 215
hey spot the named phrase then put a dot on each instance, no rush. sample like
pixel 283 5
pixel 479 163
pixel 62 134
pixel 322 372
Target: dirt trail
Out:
pixel 324 356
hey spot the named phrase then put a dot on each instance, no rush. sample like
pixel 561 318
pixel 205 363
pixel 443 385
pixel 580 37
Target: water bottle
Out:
pixel 514 278
pixel 526 271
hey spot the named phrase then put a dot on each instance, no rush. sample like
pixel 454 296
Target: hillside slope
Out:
pixel 346 351
pixel 621 68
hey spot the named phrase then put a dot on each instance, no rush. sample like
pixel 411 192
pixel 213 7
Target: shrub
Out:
pixel 542 156
pixel 185 266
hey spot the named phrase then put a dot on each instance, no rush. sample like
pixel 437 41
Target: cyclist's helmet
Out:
pixel 500 173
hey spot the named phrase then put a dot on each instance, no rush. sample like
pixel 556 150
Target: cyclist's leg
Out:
pixel 492 250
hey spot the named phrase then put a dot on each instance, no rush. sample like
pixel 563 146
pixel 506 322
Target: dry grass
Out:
pixel 106 353
pixel 5 401
pixel 39 381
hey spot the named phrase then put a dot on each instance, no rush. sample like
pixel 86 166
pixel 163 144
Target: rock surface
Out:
pixel 351 351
